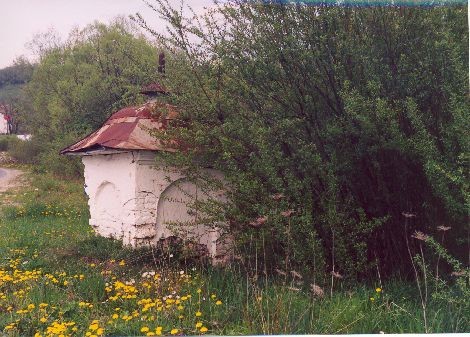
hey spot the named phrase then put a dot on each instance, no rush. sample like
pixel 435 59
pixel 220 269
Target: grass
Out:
pixel 58 278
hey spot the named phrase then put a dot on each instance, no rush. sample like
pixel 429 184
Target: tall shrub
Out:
pixel 328 123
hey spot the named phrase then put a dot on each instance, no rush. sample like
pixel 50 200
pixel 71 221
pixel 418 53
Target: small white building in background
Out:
pixel 133 198
pixel 24 137
pixel 3 121
pixel 3 125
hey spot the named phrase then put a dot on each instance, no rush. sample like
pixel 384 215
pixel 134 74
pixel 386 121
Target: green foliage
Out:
pixel 458 294
pixel 62 247
pixel 12 81
pixel 23 151
pixel 79 84
pixel 346 112
pixel 5 142
pixel 18 73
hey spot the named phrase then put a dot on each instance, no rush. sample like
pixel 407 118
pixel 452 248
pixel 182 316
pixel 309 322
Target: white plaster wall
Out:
pixel 151 181
pixel 175 217
pixel 163 198
pixel 110 186
pixel 3 124
pixel 134 200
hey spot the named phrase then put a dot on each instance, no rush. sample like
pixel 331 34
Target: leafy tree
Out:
pixel 331 124
pixel 12 81
pixel 80 83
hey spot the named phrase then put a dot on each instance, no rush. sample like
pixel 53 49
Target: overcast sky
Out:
pixel 21 19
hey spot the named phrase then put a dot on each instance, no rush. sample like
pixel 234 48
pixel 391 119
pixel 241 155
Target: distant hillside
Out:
pixel 18 73
pixel 9 92
pixel 12 78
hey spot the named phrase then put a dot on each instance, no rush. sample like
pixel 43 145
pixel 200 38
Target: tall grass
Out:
pixel 50 257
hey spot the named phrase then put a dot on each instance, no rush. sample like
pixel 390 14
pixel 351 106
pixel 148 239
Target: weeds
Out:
pixel 58 278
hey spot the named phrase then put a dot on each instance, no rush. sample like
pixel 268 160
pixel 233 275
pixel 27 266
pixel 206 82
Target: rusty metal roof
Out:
pixel 128 129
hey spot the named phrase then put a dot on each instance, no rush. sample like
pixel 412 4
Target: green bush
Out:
pixel 5 141
pixel 24 151
pixel 50 161
pixel 330 124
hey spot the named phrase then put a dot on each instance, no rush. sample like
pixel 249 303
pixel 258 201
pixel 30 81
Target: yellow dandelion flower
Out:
pixel 115 316
pixel 372 299
pixel 198 314
pixel 198 324
pixel 174 331
pixel 219 302
pixel 378 290
pixel 93 327
pixel 203 329
pixel 144 329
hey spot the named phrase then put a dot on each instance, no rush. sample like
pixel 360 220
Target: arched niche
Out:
pixel 176 218
pixel 108 208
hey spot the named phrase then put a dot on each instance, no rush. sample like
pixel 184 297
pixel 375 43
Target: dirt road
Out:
pixel 8 178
